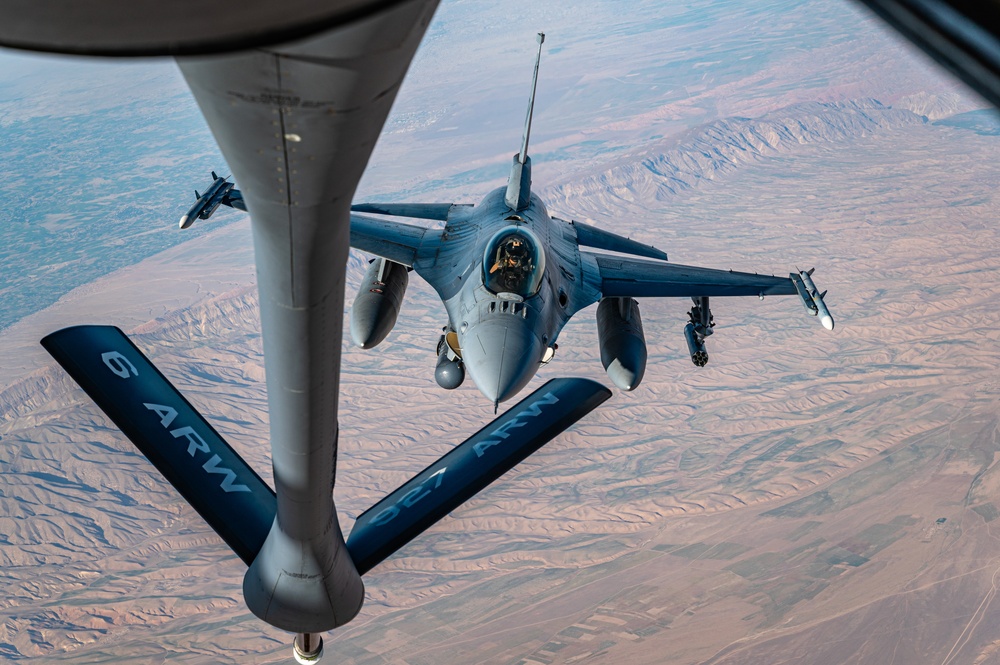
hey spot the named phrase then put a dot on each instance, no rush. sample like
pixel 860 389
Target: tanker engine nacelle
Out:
pixel 377 304
pixel 623 345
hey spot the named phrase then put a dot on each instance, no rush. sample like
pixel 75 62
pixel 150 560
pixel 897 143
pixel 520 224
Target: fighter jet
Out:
pixel 220 192
pixel 511 276
pixel 297 122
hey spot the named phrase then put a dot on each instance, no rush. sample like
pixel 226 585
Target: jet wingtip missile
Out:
pixel 811 297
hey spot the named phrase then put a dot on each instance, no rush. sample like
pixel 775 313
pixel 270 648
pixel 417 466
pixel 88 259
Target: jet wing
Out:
pixel 438 211
pixel 391 240
pixel 637 279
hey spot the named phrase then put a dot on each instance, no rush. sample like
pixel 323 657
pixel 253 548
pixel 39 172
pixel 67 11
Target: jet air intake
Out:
pixel 623 345
pixel 377 304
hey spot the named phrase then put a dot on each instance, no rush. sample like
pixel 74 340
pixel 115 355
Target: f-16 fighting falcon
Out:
pixel 526 277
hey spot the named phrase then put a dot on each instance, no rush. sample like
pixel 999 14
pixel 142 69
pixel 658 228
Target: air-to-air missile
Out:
pixel 811 297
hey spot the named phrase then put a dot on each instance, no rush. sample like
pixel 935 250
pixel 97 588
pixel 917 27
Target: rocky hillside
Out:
pixel 664 169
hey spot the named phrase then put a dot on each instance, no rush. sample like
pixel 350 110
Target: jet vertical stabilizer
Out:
pixel 519 182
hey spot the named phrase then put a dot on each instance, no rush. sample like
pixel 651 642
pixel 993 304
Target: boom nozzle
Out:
pixel 307 648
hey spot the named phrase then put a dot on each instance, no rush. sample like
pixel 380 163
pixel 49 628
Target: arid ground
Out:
pixel 808 497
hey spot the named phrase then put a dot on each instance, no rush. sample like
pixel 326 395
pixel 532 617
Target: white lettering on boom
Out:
pixel 502 432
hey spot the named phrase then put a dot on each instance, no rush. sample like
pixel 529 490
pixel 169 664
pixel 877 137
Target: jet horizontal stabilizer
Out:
pixel 190 454
pixel 438 211
pixel 470 467
pixel 591 236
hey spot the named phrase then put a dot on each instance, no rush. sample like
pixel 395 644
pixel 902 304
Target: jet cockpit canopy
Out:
pixel 513 262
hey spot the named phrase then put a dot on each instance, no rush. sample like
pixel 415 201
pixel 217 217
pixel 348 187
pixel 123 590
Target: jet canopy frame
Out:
pixel 513 263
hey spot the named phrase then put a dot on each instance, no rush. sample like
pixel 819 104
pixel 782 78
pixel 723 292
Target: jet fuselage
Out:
pixel 515 297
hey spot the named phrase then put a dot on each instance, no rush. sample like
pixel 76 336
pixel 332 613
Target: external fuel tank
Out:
pixel 377 304
pixel 623 345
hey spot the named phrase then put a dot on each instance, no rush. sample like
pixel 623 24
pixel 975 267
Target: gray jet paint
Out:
pixel 297 124
pixel 506 330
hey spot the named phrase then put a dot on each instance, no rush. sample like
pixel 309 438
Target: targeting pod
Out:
pixel 449 371
pixel 696 346
pixel 811 297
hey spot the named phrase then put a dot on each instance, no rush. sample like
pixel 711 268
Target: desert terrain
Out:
pixel 808 497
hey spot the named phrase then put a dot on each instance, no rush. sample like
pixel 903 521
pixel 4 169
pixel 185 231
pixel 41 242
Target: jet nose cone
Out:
pixel 501 357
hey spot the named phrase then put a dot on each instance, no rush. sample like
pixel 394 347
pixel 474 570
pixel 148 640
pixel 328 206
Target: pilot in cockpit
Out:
pixel 513 260
pixel 512 264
